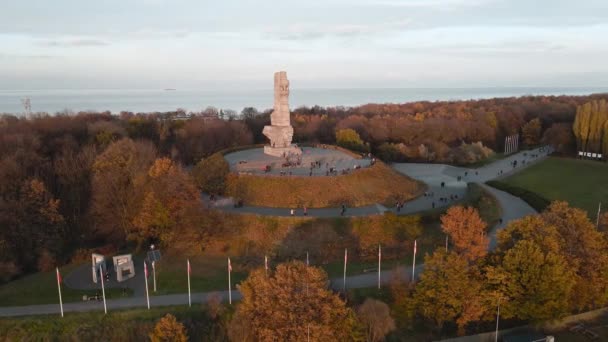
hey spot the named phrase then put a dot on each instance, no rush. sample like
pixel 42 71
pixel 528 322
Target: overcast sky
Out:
pixel 320 43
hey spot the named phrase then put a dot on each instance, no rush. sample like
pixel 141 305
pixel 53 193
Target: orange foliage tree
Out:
pixel 467 231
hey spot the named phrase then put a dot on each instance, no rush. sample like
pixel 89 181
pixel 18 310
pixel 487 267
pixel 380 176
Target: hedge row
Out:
pixel 536 201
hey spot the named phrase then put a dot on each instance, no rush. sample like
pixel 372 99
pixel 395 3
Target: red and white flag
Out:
pixel 345 255
pixel 414 246
pixel 229 266
pixel 145 269
pixel 59 280
pixel 189 269
pixel 266 262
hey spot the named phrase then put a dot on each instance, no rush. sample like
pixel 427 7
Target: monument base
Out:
pixel 282 152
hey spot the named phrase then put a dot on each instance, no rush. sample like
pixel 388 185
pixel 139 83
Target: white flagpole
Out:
pixel 414 263
pixel 59 288
pixel 189 294
pixel 446 242
pixel 307 263
pixel 146 278
pixel 345 260
pixel 154 274
pixel 379 264
pixel 229 283
pixel 497 318
pixel 266 264
pixel 103 290
pixel 599 213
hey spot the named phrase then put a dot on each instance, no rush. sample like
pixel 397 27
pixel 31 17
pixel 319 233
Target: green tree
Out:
pixel 168 329
pixel 531 132
pixel 349 138
pixel 210 174
pixel 284 304
pixel 449 290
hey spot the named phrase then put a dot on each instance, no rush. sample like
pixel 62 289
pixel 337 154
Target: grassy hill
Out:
pixel 582 183
pixel 376 184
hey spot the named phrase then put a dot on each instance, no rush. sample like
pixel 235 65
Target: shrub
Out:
pixel 536 201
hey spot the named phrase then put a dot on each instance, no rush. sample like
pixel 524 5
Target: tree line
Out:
pixel 69 181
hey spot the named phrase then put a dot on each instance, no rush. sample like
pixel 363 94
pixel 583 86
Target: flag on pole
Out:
pixel 379 263
pixel 154 274
pixel 345 261
pixel 103 290
pixel 146 279
pixel 59 280
pixel 266 263
pixel 414 263
pixel 307 263
pixel 229 282
pixel 189 294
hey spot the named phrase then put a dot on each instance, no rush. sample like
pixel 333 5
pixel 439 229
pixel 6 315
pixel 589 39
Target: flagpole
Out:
pixel 146 278
pixel 103 290
pixel 497 318
pixel 229 283
pixel 345 259
pixel 266 264
pixel 599 213
pixel 154 274
pixel 189 294
pixel 59 288
pixel 307 259
pixel 414 263
pixel 446 243
pixel 379 265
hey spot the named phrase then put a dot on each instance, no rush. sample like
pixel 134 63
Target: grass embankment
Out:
pixel 41 288
pixel 250 237
pixel 288 238
pixel 376 184
pixel 124 325
pixel 582 183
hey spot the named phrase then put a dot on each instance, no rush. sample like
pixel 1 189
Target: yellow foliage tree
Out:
pixel 168 329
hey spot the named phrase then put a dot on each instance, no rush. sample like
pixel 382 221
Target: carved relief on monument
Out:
pixel 280 131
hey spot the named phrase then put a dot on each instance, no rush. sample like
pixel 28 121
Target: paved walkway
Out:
pixel 433 174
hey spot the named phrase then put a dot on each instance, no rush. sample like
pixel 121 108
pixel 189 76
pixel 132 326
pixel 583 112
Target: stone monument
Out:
pixel 280 131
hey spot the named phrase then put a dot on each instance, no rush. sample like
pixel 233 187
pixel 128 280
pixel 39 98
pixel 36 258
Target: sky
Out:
pixel 202 44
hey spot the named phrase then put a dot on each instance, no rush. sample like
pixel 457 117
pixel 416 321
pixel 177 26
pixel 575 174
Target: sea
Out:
pixel 162 100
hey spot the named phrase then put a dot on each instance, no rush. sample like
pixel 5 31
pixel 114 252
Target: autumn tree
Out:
pixel 585 249
pixel 210 174
pixel 560 136
pixel 449 290
pixel 171 209
pixel 376 317
pixel 531 132
pixel 33 228
pixel 532 284
pixel 115 197
pixel 168 329
pixel 467 231
pixel 287 303
pixel 349 138
pixel 589 125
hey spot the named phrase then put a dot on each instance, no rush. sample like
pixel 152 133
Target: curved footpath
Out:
pixel 432 174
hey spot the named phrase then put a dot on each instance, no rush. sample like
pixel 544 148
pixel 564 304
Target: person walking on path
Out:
pixel 292 212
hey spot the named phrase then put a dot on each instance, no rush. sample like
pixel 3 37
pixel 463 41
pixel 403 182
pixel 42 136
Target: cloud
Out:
pixel 73 42
pixel 319 31
pixel 424 4
pixel 12 56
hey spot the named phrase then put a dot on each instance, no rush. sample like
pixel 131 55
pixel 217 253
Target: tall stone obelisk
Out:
pixel 280 131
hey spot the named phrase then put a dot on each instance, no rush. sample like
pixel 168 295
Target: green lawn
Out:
pixel 117 325
pixel 41 288
pixel 582 183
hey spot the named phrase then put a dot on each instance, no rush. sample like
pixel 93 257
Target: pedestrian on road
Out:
pixel 292 212
pixel 305 211
pixel 433 204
